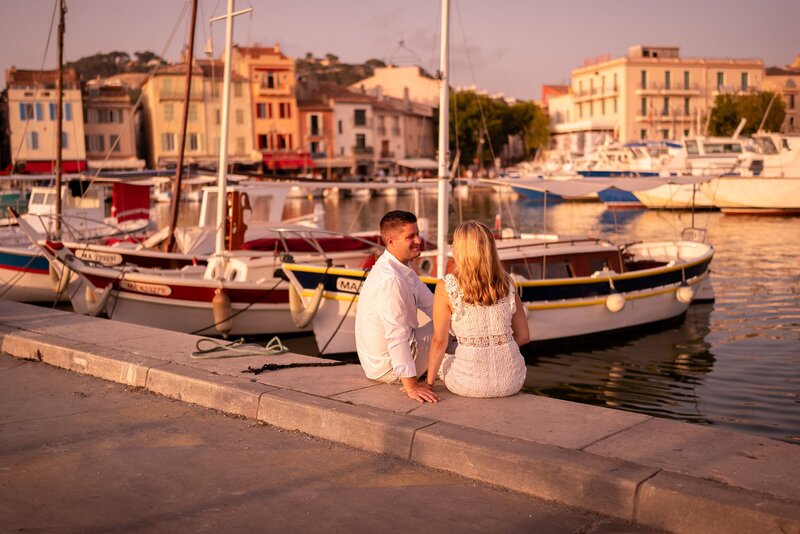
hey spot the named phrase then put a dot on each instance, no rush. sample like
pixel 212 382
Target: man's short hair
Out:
pixel 393 220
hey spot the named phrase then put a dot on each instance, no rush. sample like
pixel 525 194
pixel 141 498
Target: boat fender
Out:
pixel 221 305
pixel 303 315
pixel 684 293
pixel 59 279
pixel 615 302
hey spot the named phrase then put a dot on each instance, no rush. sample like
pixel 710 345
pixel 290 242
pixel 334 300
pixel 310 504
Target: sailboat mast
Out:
pixel 176 186
pixel 444 142
pixel 59 114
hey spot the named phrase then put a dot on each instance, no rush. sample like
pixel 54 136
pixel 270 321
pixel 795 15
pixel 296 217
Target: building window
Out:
pixel 686 133
pixel 192 113
pixel 237 89
pixel 580 110
pixel 340 126
pixel 667 79
pixel 95 143
pixel 644 79
pixel 744 81
pixel 285 110
pixel 314 124
pixel 239 116
pixel 720 80
pixel 360 117
pixel 361 141
pixel 193 141
pixel 602 107
pixel 169 112
pixel 67 111
pixel 64 140
pixel 217 116
pixel 261 110
pixel 263 142
pixel 114 143
pixel 52 111
pixel 281 142
pixel 240 145
pixel 591 109
pixel 615 83
pixel 168 142
pixel 615 105
pixel 33 140
pixel 665 109
pixel 269 80
pixel 686 106
pixel 665 134
pixel 686 79
pixel 642 134
pixel 25 111
pixel 644 107
pixel 791 101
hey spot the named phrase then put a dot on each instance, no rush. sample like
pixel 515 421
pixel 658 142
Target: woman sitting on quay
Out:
pixel 479 303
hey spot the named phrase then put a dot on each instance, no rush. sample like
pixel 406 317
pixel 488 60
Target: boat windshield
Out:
pixel 765 145
pixel 722 148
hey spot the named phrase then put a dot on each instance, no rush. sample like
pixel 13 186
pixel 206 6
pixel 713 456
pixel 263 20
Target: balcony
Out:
pixel 387 154
pixel 381 130
pixel 316 132
pixel 673 89
pixel 363 150
pixel 596 92
pixel 664 116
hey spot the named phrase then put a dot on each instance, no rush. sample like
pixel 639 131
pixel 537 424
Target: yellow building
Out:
pixel 32 98
pixel 276 124
pixel 786 82
pixel 163 113
pixel 654 93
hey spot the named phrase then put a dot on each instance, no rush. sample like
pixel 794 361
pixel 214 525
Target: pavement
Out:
pixel 656 473
pixel 79 454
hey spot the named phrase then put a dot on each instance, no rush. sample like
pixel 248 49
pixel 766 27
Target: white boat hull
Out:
pixel 672 196
pixel 756 193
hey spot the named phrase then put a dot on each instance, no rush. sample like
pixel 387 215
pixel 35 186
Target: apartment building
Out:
pixel 652 93
pixel 164 98
pixel 405 83
pixel 32 105
pixel 785 81
pixel 276 125
pixel 111 125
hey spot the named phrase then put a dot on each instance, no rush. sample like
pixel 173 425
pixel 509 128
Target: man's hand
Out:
pixel 419 391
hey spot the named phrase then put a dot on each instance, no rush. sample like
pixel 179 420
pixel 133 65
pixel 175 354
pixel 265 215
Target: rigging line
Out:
pixel 472 72
pixel 140 99
pixel 36 89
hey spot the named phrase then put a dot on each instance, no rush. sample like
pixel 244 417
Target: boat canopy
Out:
pixel 587 186
pixel 418 164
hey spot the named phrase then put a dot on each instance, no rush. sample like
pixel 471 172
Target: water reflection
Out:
pixel 650 372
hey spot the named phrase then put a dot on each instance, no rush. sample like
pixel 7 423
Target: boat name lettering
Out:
pixel 347 285
pixel 150 289
pixel 106 258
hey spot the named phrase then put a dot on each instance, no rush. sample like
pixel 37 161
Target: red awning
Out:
pixel 47 167
pixel 288 160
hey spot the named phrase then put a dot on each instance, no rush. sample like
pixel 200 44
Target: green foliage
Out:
pixel 341 73
pixel 480 126
pixel 104 65
pixel 729 110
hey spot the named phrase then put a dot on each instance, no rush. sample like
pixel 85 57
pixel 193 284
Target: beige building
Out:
pixel 32 104
pixel 276 124
pixel 786 82
pixel 653 93
pixel 164 97
pixel 405 83
pixel 111 125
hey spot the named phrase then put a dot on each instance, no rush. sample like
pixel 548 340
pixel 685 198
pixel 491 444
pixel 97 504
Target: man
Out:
pixel 391 346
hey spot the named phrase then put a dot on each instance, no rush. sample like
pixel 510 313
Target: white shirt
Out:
pixel 386 318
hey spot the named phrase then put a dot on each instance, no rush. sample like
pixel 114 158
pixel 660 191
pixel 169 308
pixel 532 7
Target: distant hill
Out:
pixel 104 65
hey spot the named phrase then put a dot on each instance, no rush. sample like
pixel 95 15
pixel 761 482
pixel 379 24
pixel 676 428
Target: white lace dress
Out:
pixel 487 362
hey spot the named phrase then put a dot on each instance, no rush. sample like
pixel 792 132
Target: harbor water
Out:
pixel 734 363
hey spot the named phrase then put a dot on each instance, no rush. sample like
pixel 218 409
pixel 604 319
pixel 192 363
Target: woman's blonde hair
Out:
pixel 480 274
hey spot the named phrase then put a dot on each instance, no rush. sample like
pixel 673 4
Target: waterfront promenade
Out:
pixel 658 473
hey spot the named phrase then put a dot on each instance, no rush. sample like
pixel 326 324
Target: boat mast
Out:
pixel 444 142
pixel 176 185
pixel 223 138
pixel 59 114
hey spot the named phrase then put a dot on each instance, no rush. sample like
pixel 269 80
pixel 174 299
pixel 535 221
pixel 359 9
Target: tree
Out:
pixel 729 110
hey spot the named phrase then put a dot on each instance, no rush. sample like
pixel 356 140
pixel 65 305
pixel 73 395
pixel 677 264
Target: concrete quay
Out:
pixel 658 473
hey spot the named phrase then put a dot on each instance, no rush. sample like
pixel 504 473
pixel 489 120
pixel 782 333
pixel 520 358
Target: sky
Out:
pixel 503 46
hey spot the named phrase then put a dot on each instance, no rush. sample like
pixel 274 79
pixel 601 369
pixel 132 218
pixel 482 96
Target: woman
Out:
pixel 479 303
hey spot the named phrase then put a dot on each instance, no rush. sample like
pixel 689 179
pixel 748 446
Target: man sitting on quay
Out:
pixel 391 346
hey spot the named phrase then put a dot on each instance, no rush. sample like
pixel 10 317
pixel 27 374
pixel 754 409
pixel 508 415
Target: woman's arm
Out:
pixel 441 330
pixel 519 324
